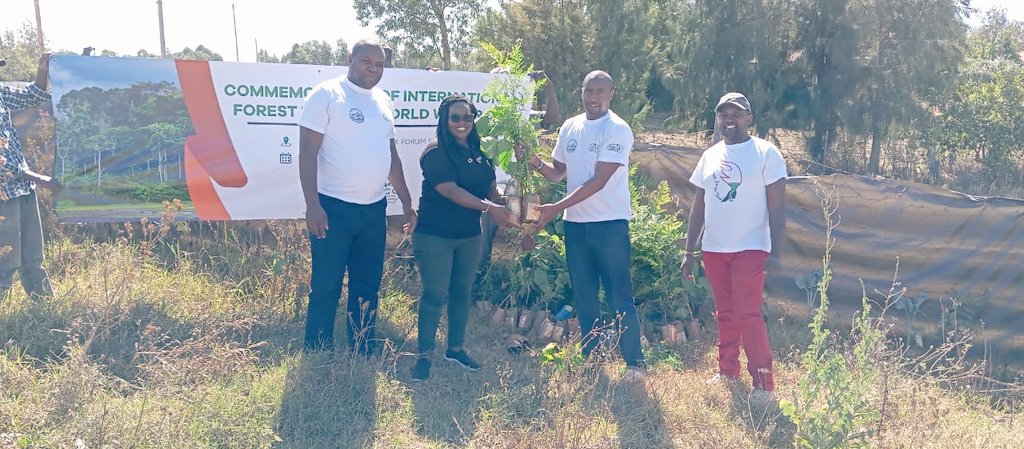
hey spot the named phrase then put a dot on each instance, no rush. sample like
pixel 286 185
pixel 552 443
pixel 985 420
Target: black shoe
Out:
pixel 461 358
pixel 421 370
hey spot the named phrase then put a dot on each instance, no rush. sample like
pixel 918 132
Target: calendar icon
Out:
pixel 285 158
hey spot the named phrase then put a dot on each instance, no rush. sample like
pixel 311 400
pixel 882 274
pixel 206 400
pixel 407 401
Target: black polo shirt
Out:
pixel 467 168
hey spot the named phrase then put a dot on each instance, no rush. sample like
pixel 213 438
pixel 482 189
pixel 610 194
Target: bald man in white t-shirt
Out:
pixel 592 155
pixel 347 155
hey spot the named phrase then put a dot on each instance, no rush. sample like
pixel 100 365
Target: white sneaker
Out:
pixel 719 379
pixel 634 375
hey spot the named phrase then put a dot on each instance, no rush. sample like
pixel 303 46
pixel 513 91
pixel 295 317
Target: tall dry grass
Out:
pixel 149 344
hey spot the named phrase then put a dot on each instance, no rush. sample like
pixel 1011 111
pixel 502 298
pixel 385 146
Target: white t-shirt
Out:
pixel 734 178
pixel 581 145
pixel 358 124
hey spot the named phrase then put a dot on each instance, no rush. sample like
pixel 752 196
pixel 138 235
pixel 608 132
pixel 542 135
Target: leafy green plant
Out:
pixel 561 357
pixel 662 354
pixel 508 122
pixel 831 408
pixel 655 231
pixel 536 278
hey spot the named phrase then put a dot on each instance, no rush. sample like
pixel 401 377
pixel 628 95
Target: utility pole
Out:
pixel 235 20
pixel 39 30
pixel 160 16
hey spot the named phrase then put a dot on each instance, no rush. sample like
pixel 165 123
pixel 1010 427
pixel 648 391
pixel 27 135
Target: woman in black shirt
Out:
pixel 458 184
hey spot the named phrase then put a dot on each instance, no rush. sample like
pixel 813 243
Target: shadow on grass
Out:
pixel 446 407
pixel 329 401
pixel 636 408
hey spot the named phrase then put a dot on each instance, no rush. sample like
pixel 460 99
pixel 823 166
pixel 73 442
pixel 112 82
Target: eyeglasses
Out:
pixel 467 118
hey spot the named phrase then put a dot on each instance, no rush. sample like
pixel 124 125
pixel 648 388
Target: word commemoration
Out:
pixel 256 104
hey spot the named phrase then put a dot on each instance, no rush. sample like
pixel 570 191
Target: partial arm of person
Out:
pixel 554 171
pixel 32 95
pixel 23 98
pixel 40 179
pixel 603 171
pixel 309 148
pixel 776 197
pixel 43 72
pixel 463 198
pixel 551 111
pixel 397 179
pixel 693 232
pixel 494 196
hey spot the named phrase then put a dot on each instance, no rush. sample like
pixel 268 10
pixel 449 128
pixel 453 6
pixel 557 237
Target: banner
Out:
pixel 220 136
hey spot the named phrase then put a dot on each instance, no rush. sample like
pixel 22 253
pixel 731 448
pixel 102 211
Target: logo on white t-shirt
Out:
pixel 615 147
pixel 571 147
pixel 356 115
pixel 594 147
pixel 727 181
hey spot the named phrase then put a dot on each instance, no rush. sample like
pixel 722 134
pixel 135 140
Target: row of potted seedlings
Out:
pixel 548 327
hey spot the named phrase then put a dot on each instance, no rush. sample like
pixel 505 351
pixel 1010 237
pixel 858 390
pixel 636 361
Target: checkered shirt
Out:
pixel 14 99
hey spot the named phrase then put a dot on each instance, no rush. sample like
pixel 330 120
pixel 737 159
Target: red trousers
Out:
pixel 737 285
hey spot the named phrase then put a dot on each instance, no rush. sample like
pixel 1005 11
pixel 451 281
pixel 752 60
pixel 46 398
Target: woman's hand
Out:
pixel 502 216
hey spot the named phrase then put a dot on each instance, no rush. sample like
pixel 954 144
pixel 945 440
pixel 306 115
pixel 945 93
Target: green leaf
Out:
pixel 483 126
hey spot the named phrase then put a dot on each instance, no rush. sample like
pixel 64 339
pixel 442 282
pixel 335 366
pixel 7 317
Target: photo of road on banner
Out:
pixel 121 127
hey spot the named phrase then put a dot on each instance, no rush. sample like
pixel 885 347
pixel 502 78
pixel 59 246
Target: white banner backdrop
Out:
pixel 123 126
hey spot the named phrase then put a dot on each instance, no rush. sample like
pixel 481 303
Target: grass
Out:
pixel 146 344
pixel 70 206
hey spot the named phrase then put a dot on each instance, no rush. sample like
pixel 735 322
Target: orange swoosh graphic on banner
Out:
pixel 209 153
pixel 204 197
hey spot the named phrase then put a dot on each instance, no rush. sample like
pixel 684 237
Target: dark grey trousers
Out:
pixel 21 246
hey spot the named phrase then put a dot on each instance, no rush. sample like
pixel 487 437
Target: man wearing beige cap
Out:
pixel 740 208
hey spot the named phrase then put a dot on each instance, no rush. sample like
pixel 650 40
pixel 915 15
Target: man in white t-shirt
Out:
pixel 592 154
pixel 740 206
pixel 347 155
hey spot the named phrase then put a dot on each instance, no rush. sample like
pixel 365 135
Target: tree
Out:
pixel 980 111
pixel 20 50
pixel 913 52
pixel 201 53
pixel 318 53
pixel 713 47
pixel 998 37
pixel 557 36
pixel 623 49
pixel 263 56
pixel 437 26
pixel 829 37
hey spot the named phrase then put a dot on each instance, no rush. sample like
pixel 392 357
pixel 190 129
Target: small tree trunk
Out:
pixel 877 134
pixel 446 51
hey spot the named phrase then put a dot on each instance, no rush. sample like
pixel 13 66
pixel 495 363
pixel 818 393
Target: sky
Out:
pixel 125 26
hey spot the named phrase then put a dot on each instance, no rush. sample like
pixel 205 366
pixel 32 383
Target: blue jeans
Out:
pixel 355 241
pixel 599 254
pixel 447 267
